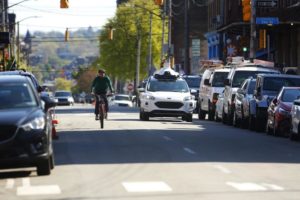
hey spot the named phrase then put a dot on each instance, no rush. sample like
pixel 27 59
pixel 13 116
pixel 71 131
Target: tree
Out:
pixel 118 56
pixel 63 84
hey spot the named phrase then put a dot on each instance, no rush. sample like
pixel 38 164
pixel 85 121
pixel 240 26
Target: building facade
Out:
pixel 277 31
pixel 188 34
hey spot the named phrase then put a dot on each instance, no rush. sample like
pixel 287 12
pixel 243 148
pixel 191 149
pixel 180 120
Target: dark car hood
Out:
pixel 18 116
pixel 286 106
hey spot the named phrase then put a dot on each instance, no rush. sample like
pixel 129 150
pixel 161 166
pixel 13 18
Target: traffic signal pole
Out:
pixel 253 30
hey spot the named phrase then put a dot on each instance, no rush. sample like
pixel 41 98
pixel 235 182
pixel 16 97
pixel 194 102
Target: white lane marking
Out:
pixel 167 138
pixel 222 169
pixel 26 182
pixel 273 187
pixel 189 150
pixel 10 184
pixel 38 190
pixel 247 186
pixel 28 190
pixel 146 187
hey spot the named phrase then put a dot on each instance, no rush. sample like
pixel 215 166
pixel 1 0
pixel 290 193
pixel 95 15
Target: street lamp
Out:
pixel 4 11
pixel 18 36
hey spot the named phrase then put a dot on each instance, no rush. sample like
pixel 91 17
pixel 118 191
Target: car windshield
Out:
pixel 193 82
pixel 240 76
pixel 122 98
pixel 276 83
pixel 219 78
pixel 16 95
pixel 290 95
pixel 62 94
pixel 168 86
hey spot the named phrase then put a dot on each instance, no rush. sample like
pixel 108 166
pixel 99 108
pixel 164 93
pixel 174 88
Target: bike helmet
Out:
pixel 101 71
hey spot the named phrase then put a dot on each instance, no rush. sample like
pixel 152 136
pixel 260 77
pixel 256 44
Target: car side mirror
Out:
pixel 40 89
pixel 241 91
pixel 49 102
pixel 141 89
pixel 206 82
pixel 275 101
pixel 226 82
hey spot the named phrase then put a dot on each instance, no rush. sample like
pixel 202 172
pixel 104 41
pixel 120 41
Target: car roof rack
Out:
pixel 166 73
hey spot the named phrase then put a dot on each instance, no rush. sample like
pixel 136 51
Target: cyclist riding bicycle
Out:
pixel 100 86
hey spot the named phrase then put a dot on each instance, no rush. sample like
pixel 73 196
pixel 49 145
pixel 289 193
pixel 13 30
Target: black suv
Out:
pixel 25 124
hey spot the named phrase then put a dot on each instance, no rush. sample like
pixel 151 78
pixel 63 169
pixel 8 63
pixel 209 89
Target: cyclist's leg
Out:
pixel 106 103
pixel 97 106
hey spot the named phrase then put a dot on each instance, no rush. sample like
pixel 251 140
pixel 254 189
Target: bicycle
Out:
pixel 102 110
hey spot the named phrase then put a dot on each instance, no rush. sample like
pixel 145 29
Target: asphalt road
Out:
pixel 162 159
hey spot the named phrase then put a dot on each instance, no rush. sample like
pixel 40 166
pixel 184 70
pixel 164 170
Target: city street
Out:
pixel 161 159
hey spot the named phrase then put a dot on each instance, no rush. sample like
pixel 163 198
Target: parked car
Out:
pixel 295 121
pixel 243 97
pixel 26 125
pixel 193 82
pixel 123 100
pixel 236 77
pixel 64 97
pixel 167 95
pixel 35 82
pixel 279 111
pixel 266 88
pixel 219 108
pixel 212 84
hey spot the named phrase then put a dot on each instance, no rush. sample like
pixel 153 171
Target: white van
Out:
pixel 212 84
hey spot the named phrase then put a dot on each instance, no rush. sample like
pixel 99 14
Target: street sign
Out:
pixel 130 87
pixel 267 20
pixel 267 3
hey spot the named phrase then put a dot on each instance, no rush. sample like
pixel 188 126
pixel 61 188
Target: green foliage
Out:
pixel 118 56
pixel 63 84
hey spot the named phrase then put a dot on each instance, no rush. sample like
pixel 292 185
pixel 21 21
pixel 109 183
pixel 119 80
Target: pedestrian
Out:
pixel 100 86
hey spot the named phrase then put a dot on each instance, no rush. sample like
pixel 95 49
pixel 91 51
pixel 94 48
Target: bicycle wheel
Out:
pixel 101 115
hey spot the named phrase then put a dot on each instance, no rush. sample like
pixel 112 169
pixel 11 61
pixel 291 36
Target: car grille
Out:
pixel 62 100
pixel 7 132
pixel 171 105
pixel 123 104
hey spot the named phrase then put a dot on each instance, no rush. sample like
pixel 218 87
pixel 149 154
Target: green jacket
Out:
pixel 101 84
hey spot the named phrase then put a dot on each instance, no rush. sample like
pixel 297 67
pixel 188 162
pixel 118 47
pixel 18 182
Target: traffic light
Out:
pixel 110 33
pixel 262 38
pixel 64 3
pixel 159 2
pixel 246 10
pixel 67 35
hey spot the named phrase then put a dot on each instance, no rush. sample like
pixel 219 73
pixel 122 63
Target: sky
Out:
pixel 46 15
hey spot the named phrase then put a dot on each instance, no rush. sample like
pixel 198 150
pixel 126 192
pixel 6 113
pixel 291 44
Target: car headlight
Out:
pixel 36 124
pixel 188 98
pixel 150 97
pixel 283 112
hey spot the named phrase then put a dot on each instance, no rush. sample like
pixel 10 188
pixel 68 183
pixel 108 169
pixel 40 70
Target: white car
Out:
pixel 63 97
pixel 122 100
pixel 167 95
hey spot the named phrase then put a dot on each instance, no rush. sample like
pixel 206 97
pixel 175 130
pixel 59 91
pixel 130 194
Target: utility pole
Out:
pixel 186 38
pixel 150 46
pixel 138 55
pixel 170 34
pixel 163 32
pixel 253 30
pixel 18 45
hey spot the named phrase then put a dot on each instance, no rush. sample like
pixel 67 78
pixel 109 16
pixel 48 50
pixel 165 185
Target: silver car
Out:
pixel 295 122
